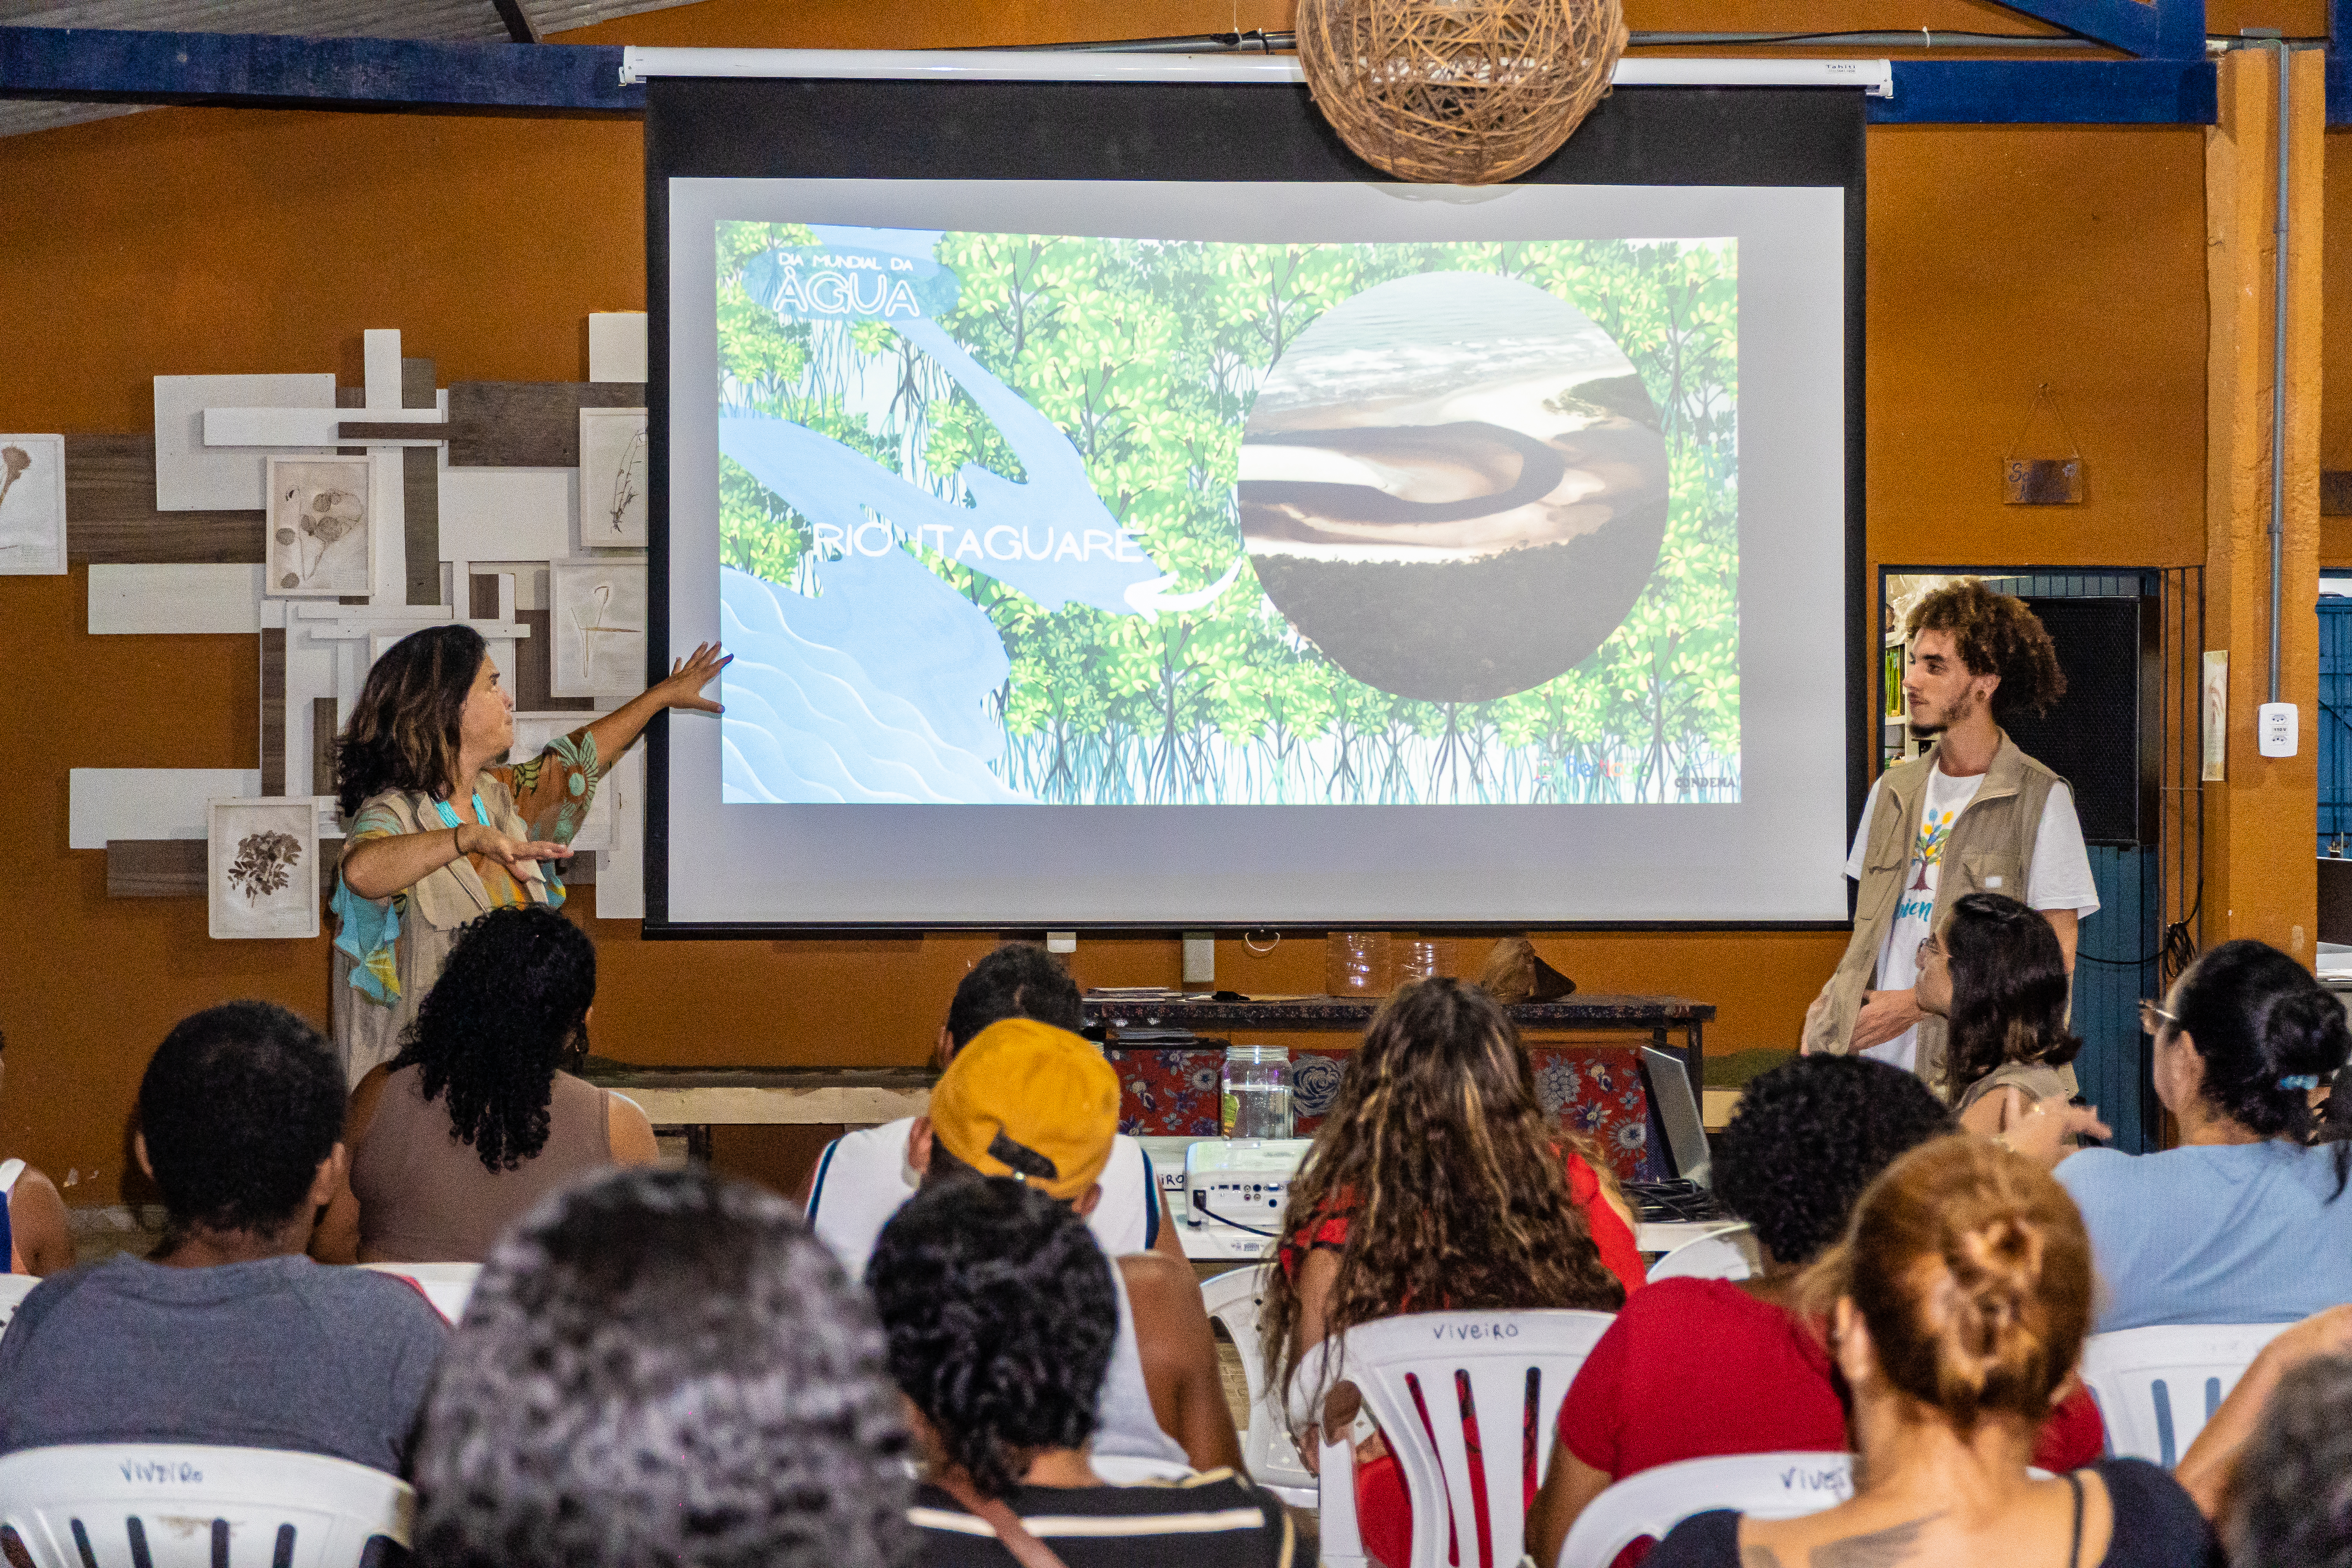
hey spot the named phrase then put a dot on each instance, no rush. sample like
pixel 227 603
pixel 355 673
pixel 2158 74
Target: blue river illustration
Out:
pixel 875 689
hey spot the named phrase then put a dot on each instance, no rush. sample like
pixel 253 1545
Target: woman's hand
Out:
pixel 690 675
pixel 617 730
pixel 515 854
pixel 2041 1132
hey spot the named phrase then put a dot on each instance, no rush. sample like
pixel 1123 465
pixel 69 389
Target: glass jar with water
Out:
pixel 1256 1092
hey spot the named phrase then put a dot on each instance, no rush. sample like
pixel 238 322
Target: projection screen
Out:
pixel 1126 509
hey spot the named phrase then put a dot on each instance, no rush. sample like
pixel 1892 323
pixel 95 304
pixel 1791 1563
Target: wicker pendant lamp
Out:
pixel 1457 91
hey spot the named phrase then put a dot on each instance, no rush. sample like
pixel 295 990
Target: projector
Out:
pixel 1241 1184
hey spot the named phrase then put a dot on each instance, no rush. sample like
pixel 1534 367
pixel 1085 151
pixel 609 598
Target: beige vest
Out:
pixel 448 898
pixel 1990 850
pixel 368 1033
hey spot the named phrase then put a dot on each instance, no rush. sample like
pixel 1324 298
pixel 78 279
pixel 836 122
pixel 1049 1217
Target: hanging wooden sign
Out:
pixel 2042 482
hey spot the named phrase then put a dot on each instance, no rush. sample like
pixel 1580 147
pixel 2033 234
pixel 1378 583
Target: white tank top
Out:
pixel 862 1178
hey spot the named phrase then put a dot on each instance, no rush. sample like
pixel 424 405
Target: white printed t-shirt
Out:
pixel 2059 879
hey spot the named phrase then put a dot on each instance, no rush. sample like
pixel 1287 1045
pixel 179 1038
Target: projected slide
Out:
pixel 1039 518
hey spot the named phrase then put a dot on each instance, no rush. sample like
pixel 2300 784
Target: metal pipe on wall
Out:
pixel 2278 373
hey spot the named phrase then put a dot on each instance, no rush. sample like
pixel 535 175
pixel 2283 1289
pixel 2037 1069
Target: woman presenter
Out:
pixel 439 836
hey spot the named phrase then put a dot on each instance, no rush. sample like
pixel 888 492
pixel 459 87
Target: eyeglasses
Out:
pixel 2153 1018
pixel 1930 945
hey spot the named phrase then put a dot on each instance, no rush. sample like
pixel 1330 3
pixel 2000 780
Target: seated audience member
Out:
pixel 661 1366
pixel 1958 1305
pixel 1996 973
pixel 2244 1222
pixel 1438 1182
pixel 33 1235
pixel 479 1116
pixel 229 1335
pixel 999 1307
pixel 1808 1137
pixel 862 1177
pixel 1028 1099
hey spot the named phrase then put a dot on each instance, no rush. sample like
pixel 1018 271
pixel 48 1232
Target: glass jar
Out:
pixel 1422 958
pixel 1255 1101
pixel 1357 964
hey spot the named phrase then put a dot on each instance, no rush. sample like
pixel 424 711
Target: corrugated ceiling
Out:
pixel 477 19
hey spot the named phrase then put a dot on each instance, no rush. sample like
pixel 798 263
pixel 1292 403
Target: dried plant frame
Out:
pixel 615 470
pixel 31 505
pixel 319 527
pixel 596 627
pixel 261 868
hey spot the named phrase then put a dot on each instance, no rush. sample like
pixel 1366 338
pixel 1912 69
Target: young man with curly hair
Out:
pixel 1974 804
pixel 228 1335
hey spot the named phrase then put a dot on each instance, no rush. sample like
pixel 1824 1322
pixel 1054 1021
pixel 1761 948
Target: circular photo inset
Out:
pixel 1455 486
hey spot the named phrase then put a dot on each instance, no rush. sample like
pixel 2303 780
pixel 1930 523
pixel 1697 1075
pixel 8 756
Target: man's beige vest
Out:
pixel 1989 851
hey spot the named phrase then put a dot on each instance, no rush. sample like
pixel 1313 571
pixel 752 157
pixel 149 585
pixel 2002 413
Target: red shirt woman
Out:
pixel 1438 1182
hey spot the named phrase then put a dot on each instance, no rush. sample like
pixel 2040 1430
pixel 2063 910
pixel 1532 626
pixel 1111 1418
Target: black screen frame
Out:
pixel 843 128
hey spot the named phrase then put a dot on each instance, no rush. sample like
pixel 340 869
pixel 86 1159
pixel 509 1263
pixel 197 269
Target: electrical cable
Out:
pixel 1201 1207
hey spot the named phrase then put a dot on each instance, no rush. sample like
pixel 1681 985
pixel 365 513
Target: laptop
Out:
pixel 1678 1134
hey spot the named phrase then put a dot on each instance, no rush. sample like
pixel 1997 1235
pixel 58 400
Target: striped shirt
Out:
pixel 1213 1517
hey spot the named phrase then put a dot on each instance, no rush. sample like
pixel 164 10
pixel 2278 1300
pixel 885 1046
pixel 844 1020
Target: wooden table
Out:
pixel 698 1099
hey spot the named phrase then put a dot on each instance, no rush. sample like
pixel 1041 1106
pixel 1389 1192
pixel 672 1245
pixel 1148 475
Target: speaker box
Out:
pixel 2105 736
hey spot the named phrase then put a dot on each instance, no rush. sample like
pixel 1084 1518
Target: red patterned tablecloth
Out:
pixel 1597 1092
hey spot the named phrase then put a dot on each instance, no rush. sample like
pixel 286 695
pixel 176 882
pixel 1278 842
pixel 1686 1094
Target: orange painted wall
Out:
pixel 201 240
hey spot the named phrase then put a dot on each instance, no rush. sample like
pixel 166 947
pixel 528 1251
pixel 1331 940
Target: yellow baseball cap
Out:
pixel 1027 1100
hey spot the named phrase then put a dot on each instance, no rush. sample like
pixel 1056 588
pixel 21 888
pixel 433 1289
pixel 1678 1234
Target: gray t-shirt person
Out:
pixel 282 1353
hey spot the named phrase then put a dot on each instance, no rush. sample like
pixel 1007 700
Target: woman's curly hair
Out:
pixel 999 1311
pixel 2291 1499
pixel 1808 1137
pixel 509 1011
pixel 1450 1173
pixel 2010 987
pixel 403 730
pixel 1995 634
pixel 662 1366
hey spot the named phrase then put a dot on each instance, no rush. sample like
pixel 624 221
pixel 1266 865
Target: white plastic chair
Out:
pixel 1272 1459
pixel 449 1286
pixel 14 1289
pixel 1769 1486
pixel 2157 1387
pixel 1509 1361
pixel 179 1505
pixel 1728 1253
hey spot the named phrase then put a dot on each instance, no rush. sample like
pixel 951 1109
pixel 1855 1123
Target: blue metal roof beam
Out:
pixel 93 65
pixel 2339 62
pixel 90 64
pixel 2050 92
pixel 2167 29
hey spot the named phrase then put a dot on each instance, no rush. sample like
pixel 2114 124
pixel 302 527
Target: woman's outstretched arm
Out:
pixel 687 677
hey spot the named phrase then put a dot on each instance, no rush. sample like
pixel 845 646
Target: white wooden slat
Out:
pixel 149 600
pixel 147 803
pixel 192 477
pixel 509 514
